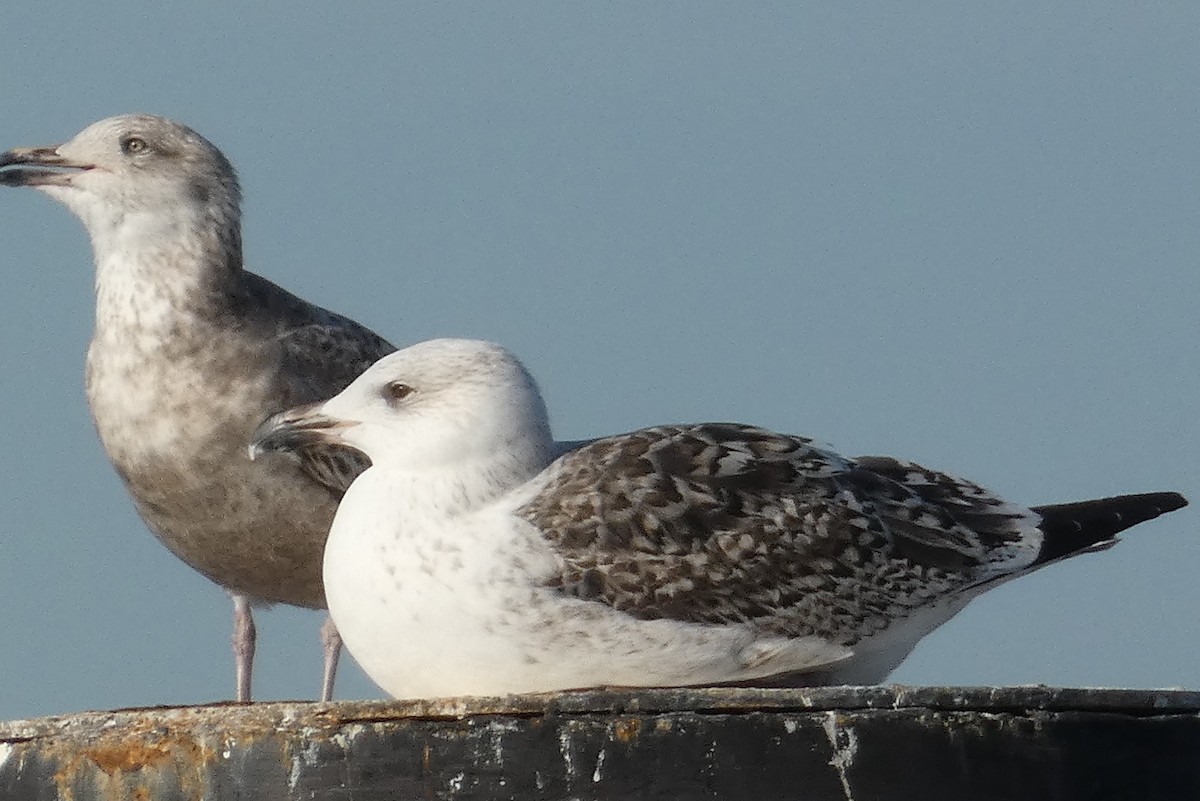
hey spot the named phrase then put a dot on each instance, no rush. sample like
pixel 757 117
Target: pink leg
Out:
pixel 331 642
pixel 243 645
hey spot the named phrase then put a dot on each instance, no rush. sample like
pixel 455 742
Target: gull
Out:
pixel 190 353
pixel 712 553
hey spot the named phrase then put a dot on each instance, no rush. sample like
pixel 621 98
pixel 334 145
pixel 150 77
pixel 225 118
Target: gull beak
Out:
pixel 296 429
pixel 46 157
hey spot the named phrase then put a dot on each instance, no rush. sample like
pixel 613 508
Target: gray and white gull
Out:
pixel 190 353
pixel 458 564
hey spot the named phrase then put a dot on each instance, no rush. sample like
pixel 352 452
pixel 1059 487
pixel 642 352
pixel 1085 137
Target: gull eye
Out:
pixel 397 391
pixel 133 144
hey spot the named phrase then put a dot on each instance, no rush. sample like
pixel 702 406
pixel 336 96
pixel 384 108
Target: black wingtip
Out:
pixel 1073 527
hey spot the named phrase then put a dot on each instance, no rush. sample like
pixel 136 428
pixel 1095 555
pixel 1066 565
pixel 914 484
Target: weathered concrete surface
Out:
pixel 1023 743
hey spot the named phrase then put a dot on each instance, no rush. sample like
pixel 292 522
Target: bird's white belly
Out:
pixel 420 618
pixel 875 657
pixel 465 611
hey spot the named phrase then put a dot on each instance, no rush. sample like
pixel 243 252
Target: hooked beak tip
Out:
pixel 294 429
pixel 36 166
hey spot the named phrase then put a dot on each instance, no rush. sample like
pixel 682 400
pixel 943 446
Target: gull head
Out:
pixel 127 167
pixel 444 403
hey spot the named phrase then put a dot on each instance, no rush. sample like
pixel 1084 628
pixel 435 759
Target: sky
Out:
pixel 965 235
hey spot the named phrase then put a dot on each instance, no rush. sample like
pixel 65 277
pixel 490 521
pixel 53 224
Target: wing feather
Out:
pixel 720 523
pixel 321 352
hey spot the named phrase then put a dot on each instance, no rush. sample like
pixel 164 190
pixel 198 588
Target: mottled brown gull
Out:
pixel 190 353
pixel 670 556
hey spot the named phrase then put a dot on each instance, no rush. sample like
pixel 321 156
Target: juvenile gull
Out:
pixel 670 556
pixel 190 353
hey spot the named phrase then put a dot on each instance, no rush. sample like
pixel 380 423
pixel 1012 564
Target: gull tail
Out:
pixel 1071 528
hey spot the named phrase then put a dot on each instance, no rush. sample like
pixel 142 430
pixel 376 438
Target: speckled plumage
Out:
pixel 731 524
pixel 255 529
pixel 191 352
pixel 723 523
pixel 687 554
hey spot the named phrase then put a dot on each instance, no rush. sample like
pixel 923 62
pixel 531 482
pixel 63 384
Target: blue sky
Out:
pixel 966 236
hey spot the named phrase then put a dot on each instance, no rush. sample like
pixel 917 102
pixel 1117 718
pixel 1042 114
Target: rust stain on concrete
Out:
pixel 626 729
pixel 124 762
pixel 128 757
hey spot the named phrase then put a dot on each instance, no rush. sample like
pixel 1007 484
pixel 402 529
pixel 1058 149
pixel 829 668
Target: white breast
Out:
pixel 434 604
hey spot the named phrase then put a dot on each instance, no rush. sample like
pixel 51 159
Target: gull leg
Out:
pixel 243 645
pixel 331 643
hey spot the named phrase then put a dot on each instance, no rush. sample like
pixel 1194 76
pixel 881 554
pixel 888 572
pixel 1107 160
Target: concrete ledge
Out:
pixel 827 743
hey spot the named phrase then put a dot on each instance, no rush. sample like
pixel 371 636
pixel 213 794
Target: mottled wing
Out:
pixel 962 525
pixel 320 360
pixel 722 523
pixel 321 352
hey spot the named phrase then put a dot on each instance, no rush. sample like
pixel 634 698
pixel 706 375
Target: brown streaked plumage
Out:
pixel 191 352
pixel 732 524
